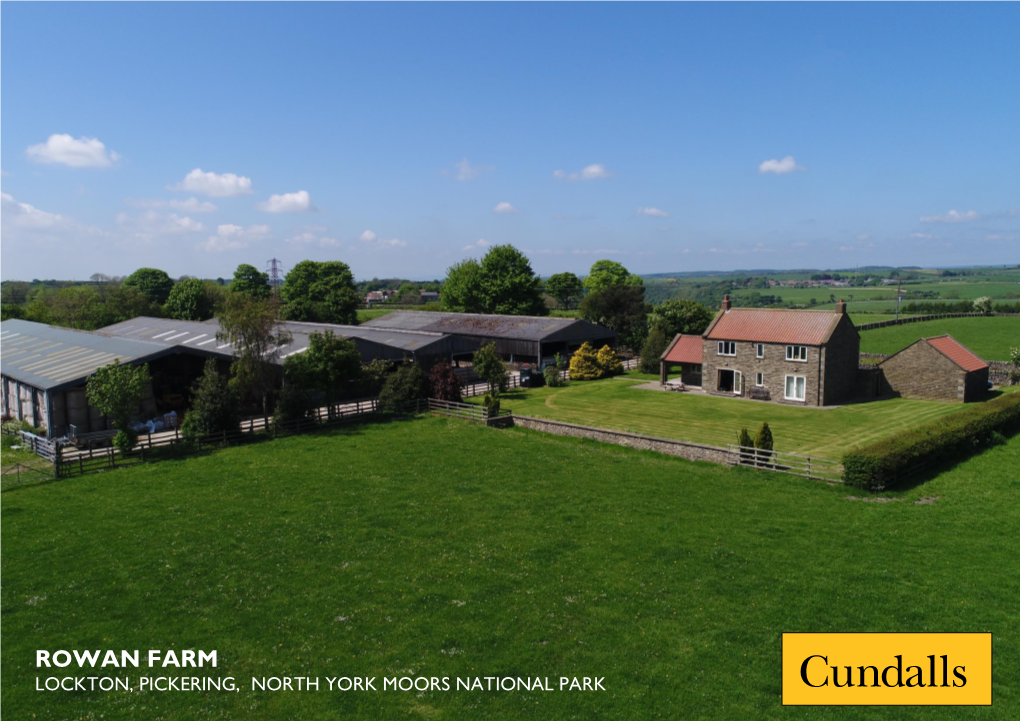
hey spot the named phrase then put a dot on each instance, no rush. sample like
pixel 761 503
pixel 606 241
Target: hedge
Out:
pixel 888 462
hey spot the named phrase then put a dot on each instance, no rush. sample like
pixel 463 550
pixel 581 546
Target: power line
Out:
pixel 275 268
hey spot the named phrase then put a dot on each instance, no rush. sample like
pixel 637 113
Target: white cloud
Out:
pixel 234 237
pixel 371 237
pixel 190 205
pixel 505 208
pixel 953 216
pixel 595 171
pixel 151 225
pixel 922 236
pixel 480 244
pixel 311 238
pixel 464 170
pixel 298 202
pixel 21 222
pixel 863 237
pixel 227 185
pixel 62 149
pixel 780 167
pixel 25 215
pixel 653 212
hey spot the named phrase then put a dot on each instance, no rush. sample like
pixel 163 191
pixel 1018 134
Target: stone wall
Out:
pixel 682 449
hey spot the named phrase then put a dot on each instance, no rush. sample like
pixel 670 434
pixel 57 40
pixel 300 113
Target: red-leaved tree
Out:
pixel 444 383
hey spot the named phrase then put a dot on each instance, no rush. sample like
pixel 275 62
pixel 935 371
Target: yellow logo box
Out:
pixel 887 669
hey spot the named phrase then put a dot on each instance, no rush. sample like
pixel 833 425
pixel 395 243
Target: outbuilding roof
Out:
pixel 202 335
pixel 46 357
pixel 685 349
pixel 774 325
pixel 520 327
pixel 956 352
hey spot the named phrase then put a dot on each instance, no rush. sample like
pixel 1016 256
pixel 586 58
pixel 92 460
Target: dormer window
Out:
pixel 727 347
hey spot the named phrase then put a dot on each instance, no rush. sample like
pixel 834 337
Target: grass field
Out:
pixel 990 338
pixel 443 548
pixel 616 403
pixel 371 313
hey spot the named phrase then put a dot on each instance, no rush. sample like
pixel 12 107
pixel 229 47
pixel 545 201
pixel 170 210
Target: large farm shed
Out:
pixel 936 369
pixel 45 369
pixel 373 343
pixel 517 338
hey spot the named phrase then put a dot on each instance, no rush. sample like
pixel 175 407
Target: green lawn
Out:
pixel 443 548
pixel 827 432
pixel 372 313
pixel 990 338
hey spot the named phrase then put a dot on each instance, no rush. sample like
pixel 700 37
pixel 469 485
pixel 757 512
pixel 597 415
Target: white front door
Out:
pixel 738 383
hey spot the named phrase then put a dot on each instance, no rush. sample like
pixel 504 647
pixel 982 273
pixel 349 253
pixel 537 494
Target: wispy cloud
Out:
pixel 216 185
pixel 372 238
pixel 780 167
pixel 190 205
pixel 151 225
pixel 480 244
pixel 653 212
pixel 595 171
pixel 298 202
pixel 953 216
pixel 62 149
pixel 312 238
pixel 234 237
pixel 464 170
pixel 505 208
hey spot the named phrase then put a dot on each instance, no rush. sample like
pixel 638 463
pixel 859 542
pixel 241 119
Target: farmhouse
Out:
pixel 805 357
pixel 937 369
pixel 518 338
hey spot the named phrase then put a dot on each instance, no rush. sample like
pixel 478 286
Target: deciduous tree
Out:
pixel 607 273
pixel 252 326
pixel 117 391
pixel 189 300
pixel 566 288
pixel 679 315
pixel 321 292
pixel 488 364
pixel 251 281
pixel 621 308
pixel 153 282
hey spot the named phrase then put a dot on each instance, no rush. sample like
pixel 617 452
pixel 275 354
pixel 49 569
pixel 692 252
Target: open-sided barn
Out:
pixel 517 338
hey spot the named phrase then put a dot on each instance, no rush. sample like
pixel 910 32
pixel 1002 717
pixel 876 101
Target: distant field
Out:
pixel 990 338
pixel 370 313
pixel 827 432
pixel 444 548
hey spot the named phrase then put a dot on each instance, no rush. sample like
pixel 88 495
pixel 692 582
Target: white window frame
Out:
pixel 726 345
pixel 796 353
pixel 786 386
pixel 759 350
pixel 759 379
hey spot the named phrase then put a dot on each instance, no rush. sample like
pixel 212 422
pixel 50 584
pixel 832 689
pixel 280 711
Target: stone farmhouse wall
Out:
pixel 773 366
pixel 839 364
pixel 690 451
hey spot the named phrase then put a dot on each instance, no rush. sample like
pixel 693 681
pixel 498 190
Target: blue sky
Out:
pixel 402 138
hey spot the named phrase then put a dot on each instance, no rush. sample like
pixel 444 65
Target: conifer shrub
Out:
pixel 584 364
pixel 887 463
pixel 744 439
pixel 655 345
pixel 609 362
pixel 214 406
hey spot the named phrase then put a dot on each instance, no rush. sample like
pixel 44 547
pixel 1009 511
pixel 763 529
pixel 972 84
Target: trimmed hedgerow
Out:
pixel 888 462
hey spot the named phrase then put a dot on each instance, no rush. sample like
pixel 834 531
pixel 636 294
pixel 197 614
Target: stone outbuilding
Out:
pixel 686 351
pixel 935 369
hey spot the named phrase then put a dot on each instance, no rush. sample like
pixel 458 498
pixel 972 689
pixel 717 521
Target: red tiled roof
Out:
pixel 954 351
pixel 685 349
pixel 773 325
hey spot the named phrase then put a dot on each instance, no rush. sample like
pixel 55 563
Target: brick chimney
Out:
pixel 726 302
pixel 841 307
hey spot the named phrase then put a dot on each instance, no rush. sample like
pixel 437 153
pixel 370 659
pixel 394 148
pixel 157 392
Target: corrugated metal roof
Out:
pixel 956 352
pixel 685 349
pixel 45 356
pixel 533 328
pixel 202 335
pixel 774 325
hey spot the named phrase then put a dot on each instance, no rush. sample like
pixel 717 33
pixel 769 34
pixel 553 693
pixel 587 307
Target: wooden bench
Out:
pixel 759 394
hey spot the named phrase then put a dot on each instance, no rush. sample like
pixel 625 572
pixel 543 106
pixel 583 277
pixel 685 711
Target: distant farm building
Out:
pixel 517 338
pixel 936 369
